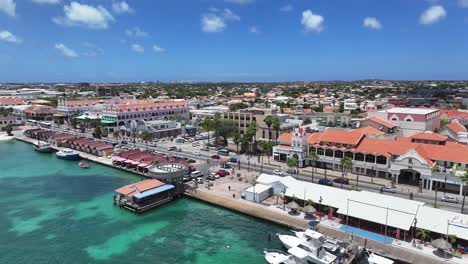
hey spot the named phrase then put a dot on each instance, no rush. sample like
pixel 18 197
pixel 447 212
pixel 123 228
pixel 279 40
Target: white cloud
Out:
pixel 66 51
pixel 136 32
pixel 93 50
pixel 158 49
pixel 228 15
pixel 254 30
pixel 77 14
pixel 463 3
pixel 121 7
pixel 372 22
pixel 7 36
pixel 286 8
pixel 311 21
pixel 433 15
pixel 241 2
pixel 137 48
pixel 212 23
pixel 50 2
pixel 8 7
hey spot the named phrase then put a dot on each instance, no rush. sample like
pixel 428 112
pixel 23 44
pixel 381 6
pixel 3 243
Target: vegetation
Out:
pixel 276 123
pixel 237 139
pixel 346 165
pixel 313 157
pixel 269 122
pixel 9 129
pixel 97 132
pixel 267 148
pixel 237 106
pixel 146 137
pixel 6 111
pixel 293 162
pixel 464 180
pixel 423 234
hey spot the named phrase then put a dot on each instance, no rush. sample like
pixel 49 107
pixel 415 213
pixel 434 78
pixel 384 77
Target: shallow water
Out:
pixel 55 212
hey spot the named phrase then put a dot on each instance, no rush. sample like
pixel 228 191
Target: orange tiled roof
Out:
pixel 285 137
pixel 382 122
pixel 456 127
pixel 429 136
pixel 134 188
pixel 11 101
pixel 454 113
pixel 368 130
pixel 341 136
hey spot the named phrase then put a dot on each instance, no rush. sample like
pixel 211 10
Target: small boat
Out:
pixel 312 250
pixel 68 154
pixel 42 147
pixel 290 241
pixel 376 259
pixel 331 245
pixel 274 256
pixel 83 165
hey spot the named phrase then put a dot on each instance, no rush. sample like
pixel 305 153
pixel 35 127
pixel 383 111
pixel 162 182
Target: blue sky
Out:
pixel 232 40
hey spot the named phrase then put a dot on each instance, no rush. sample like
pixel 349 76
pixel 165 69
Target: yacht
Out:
pixel 43 147
pixel 331 245
pixel 376 259
pixel 311 251
pixel 274 256
pixel 68 154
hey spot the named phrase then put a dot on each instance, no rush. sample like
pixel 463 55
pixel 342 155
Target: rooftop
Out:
pixel 415 111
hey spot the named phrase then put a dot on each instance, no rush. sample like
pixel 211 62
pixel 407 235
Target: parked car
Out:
pixel 225 165
pixel 233 160
pixel 216 156
pixel 226 173
pixel 341 180
pixel 325 182
pixel 196 174
pixel 211 177
pixel 124 142
pixel 195 144
pixel 199 180
pixel 291 171
pixel 173 148
pixel 449 199
pixel 221 173
pixel 388 189
pixel 196 152
pixel 191 161
pixel 278 172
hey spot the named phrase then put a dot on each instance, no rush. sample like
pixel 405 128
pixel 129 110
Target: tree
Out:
pixel 249 134
pixel 116 135
pixel 423 234
pixel 207 124
pixel 97 132
pixel 313 157
pixel 105 132
pixel 346 165
pixel 237 140
pixel 9 129
pixel 146 136
pixel 237 106
pixel 293 163
pixel 452 239
pixel 306 121
pixel 464 180
pixel 224 129
pixel 266 147
pixel 269 122
pixel 444 121
pixel 276 126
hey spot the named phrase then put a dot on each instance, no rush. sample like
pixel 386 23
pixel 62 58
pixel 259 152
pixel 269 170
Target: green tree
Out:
pixel 313 157
pixel 277 127
pixel 97 132
pixel 9 129
pixel 269 122
pixel 423 234
pixel 207 125
pixel 267 148
pixel 224 129
pixel 444 121
pixel 249 134
pixel 105 132
pixel 346 165
pixel 293 162
pixel 146 137
pixel 307 121
pixel 237 139
pixel 464 180
pixel 116 135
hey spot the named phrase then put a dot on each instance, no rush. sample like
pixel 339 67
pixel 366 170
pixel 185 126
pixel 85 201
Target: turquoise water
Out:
pixel 55 212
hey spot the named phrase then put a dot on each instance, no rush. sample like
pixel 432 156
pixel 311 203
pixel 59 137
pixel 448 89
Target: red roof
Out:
pixel 454 114
pixel 11 101
pixel 134 188
pixel 285 137
pixel 382 122
pixel 429 136
pixel 456 127
pixel 368 130
pixel 341 136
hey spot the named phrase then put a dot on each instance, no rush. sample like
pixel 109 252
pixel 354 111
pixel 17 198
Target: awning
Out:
pixel 107 121
pixel 154 191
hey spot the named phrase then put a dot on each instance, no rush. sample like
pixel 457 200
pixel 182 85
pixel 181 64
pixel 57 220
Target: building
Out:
pixel 245 117
pixel 350 104
pixel 257 193
pixel 107 91
pixel 427 159
pixel 5 121
pixel 410 120
pixel 455 131
pixel 461 116
pixel 39 112
pixel 163 128
pixel 10 101
pixel 380 124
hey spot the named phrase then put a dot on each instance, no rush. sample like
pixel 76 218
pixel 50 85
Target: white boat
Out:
pixel 274 256
pixel 68 154
pixel 311 251
pixel 331 245
pixel 43 147
pixel 376 259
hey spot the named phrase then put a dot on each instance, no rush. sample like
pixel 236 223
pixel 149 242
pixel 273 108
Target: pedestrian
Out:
pixel 233 195
pixel 229 188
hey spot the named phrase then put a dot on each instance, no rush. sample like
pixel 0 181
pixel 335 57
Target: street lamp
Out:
pixel 445 185
pixel 414 230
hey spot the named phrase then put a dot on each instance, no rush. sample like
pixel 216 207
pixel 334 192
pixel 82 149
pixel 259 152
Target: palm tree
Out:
pixel 464 180
pixel 116 135
pixel 237 140
pixel 146 136
pixel 269 122
pixel 452 239
pixel 423 234
pixel 276 126
pixel 207 124
pixel 346 164
pixel 9 129
pixel 313 157
pixel 293 163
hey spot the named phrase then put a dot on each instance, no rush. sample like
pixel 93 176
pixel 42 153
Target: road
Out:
pixel 187 152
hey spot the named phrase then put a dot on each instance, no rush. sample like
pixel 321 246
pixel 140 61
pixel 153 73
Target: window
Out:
pixel 329 153
pixel 370 158
pixel 381 160
pixel 359 156
pixel 349 154
pixel 338 154
pixel 408 120
pixel 320 151
pixel 394 119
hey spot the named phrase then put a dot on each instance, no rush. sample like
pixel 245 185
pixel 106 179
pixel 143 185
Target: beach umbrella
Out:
pixel 309 209
pixel 293 205
pixel 441 244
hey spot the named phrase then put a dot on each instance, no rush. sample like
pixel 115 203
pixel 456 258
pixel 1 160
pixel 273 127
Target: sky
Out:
pixel 232 40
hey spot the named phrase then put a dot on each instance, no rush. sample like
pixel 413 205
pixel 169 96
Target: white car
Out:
pixel 449 199
pixel 196 152
pixel 388 189
pixel 278 172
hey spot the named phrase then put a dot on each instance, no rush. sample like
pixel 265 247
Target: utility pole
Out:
pixel 435 197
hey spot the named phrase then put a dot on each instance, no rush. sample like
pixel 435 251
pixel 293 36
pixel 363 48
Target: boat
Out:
pixel 42 147
pixel 376 259
pixel 274 256
pixel 331 245
pixel 312 251
pixel 68 154
pixel 83 165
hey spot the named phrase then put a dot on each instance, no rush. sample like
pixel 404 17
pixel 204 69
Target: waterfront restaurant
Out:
pixel 142 196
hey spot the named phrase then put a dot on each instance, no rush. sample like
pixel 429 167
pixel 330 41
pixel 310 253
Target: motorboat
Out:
pixel 376 259
pixel 311 250
pixel 290 241
pixel 274 256
pixel 68 154
pixel 83 165
pixel 331 245
pixel 42 147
